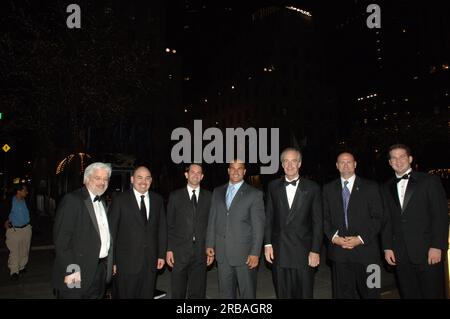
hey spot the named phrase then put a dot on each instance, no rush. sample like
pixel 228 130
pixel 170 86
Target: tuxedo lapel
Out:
pixel 297 202
pixel 283 197
pixel 90 208
pixel 412 184
pixel 394 193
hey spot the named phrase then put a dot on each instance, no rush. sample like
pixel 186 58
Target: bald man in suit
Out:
pixel 353 212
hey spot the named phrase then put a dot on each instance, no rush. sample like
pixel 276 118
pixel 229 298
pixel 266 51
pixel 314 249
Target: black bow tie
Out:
pixel 97 198
pixel 398 179
pixel 293 183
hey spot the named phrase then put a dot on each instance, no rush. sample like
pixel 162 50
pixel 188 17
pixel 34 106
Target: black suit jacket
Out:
pixel 181 223
pixel 423 221
pixel 77 239
pixel 295 232
pixel 134 240
pixel 365 213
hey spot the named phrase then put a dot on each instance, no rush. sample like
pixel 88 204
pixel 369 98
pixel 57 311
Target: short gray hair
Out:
pixel 291 149
pixel 94 166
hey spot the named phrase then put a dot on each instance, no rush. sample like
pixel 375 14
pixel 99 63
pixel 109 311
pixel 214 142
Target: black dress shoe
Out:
pixel 15 277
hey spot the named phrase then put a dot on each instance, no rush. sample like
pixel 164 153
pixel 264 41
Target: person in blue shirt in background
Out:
pixel 18 232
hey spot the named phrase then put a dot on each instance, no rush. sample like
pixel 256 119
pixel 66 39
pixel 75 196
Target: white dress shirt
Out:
pixel 291 190
pixel 146 201
pixel 401 187
pixel 197 192
pixel 351 182
pixel 102 222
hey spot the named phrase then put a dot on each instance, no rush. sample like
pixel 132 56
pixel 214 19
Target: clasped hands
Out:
pixel 348 242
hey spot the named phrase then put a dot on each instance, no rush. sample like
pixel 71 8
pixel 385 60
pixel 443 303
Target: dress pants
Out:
pixel 232 278
pixel 136 286
pixel 95 291
pixel 188 279
pixel 350 281
pixel 293 283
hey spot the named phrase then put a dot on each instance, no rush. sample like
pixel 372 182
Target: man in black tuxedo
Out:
pixel 82 239
pixel 415 237
pixel 353 212
pixel 294 229
pixel 187 219
pixel 235 233
pixel 139 232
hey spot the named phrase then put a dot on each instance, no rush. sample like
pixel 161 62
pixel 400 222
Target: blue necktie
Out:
pixel 345 199
pixel 230 195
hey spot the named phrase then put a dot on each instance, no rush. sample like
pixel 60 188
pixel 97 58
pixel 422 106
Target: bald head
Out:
pixel 346 165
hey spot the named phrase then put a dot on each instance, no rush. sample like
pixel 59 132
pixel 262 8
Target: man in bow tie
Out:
pixel 294 229
pixel 415 235
pixel 353 212
pixel 83 262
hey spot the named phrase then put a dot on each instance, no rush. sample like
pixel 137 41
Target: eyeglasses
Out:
pixel 99 179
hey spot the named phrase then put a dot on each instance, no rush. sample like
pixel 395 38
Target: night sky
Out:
pixel 135 70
